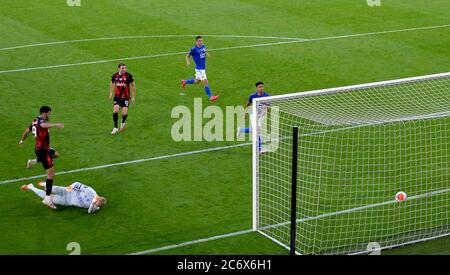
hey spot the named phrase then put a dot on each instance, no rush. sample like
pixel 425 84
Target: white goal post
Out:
pixel 357 147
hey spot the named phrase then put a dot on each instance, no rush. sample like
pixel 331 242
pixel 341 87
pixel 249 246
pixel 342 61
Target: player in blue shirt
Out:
pixel 199 54
pixel 258 94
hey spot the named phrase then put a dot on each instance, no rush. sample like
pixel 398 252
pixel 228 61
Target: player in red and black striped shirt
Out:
pixel 44 154
pixel 121 84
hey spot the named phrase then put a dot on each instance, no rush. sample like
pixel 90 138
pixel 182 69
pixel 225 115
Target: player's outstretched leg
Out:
pixel 208 92
pixel 59 190
pixel 30 187
pixel 59 198
pixel 242 131
pixel 187 82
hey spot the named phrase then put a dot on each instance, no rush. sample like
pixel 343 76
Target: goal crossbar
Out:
pixel 353 87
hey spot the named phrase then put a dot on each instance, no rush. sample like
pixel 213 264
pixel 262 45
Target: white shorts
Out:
pixel 259 120
pixel 200 75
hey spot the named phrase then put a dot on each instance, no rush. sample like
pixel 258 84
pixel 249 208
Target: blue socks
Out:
pixel 208 91
pixel 259 144
pixel 246 131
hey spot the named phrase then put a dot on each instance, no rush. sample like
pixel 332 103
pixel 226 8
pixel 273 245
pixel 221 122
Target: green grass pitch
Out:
pixel 179 199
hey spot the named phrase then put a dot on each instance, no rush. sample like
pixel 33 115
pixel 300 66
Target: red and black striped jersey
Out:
pixel 122 82
pixel 41 135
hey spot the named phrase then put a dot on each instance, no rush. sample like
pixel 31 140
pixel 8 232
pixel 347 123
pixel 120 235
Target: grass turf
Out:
pixel 174 200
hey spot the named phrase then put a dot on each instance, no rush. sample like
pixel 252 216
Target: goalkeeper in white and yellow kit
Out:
pixel 76 194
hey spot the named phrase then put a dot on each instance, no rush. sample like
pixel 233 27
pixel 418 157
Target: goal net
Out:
pixel 357 147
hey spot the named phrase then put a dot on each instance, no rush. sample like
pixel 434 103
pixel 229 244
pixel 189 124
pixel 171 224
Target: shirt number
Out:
pixel 34 131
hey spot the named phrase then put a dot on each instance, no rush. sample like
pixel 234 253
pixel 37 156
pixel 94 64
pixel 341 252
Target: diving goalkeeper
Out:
pixel 76 194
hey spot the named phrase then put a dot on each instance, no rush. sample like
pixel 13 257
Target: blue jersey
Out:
pixel 256 95
pixel 199 56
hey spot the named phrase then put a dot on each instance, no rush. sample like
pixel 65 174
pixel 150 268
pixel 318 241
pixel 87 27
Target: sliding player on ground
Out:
pixel 199 54
pixel 76 194
pixel 40 130
pixel 120 85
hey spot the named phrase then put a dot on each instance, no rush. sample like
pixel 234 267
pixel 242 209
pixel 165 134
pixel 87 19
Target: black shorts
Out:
pixel 122 102
pixel 45 157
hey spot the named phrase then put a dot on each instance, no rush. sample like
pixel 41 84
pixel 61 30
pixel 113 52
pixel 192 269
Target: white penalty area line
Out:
pixel 130 162
pixel 260 230
pixel 289 41
pixel 434 115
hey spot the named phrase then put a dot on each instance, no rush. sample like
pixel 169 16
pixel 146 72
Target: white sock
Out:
pixel 38 192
